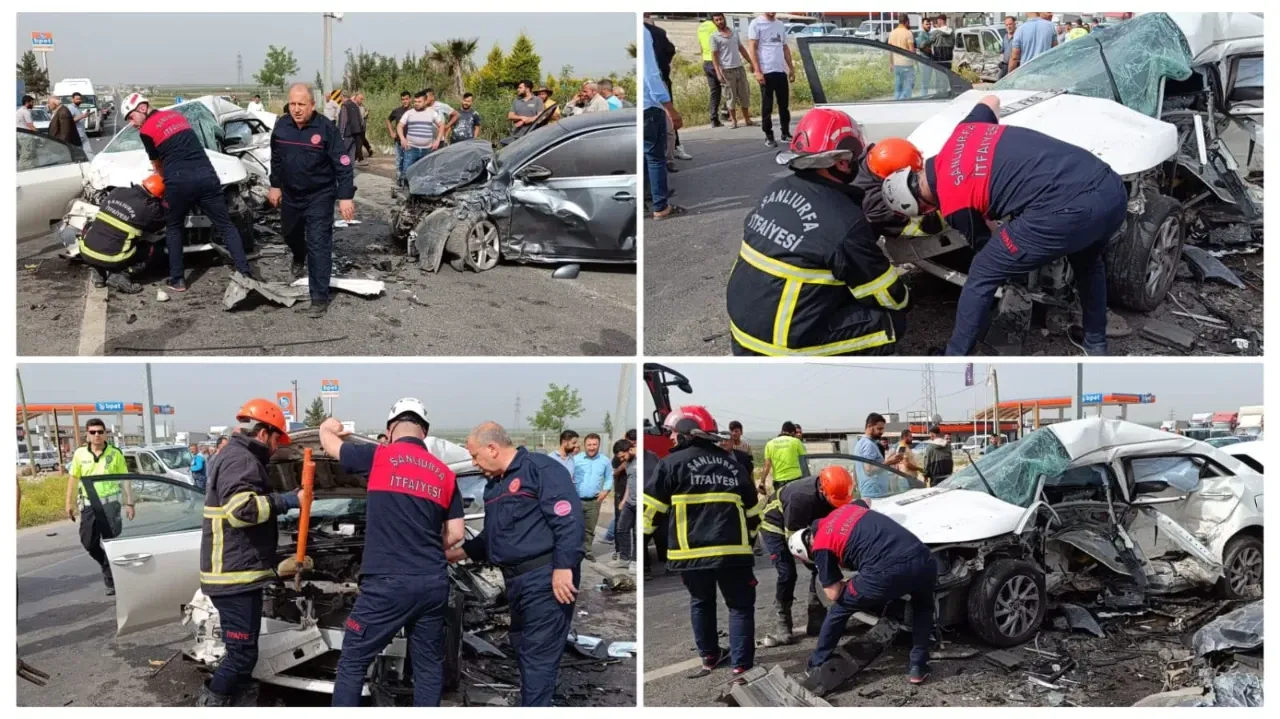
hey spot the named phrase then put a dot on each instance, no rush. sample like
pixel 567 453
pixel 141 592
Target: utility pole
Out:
pixel 929 390
pixel 296 416
pixel 624 400
pixel 329 19
pixel 239 69
pixel 1079 390
pixel 515 417
pixel 995 384
pixel 26 428
pixel 148 412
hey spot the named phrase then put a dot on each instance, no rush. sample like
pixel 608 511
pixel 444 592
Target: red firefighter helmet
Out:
pixel 823 138
pixel 692 419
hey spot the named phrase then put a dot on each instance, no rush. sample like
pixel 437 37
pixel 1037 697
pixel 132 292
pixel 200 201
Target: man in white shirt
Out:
pixel 25 120
pixel 255 105
pixel 774 70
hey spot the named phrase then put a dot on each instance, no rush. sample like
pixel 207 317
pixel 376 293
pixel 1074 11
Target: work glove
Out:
pixel 289 566
pixel 291 500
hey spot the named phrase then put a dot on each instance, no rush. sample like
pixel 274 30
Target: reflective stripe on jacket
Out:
pixel 712 501
pixel 810 278
pixel 125 214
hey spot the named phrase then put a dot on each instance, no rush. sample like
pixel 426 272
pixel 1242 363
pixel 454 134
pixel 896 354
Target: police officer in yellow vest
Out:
pixel 97 459
pixel 109 243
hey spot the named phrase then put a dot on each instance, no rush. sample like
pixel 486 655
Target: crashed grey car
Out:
pixel 565 192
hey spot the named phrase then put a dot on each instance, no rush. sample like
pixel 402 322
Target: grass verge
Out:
pixel 43 500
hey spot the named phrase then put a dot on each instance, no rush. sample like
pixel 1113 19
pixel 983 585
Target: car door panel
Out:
pixel 155 557
pixel 812 464
pixel 50 175
pixel 1198 504
pixel 854 75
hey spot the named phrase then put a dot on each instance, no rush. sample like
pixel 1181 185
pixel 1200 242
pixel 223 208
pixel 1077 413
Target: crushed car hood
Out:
pixel 451 167
pixel 942 515
pixel 122 169
pixel 331 481
pixel 1128 141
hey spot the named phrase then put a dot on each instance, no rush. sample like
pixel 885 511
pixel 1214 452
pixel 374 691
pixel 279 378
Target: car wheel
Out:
pixel 475 244
pixel 1242 568
pixel 1007 602
pixel 1142 263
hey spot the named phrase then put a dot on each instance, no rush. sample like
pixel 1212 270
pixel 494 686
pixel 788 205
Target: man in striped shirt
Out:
pixel 420 129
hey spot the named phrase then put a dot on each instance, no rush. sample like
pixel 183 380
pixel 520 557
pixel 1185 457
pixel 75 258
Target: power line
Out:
pixel 884 368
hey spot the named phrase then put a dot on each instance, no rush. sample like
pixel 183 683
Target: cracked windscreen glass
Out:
pixel 1012 470
pixel 198 116
pixel 175 457
pixel 1139 52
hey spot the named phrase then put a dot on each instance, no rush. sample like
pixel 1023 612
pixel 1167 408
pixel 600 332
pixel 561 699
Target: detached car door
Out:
pixel 856 76
pixel 50 176
pixel 585 209
pixel 155 557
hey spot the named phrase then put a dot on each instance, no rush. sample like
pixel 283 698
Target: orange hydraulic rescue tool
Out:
pixel 304 514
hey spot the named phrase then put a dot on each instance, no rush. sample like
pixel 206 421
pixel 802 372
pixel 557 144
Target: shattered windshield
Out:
pixel 1012 470
pixel 1139 53
pixel 198 116
pixel 175 457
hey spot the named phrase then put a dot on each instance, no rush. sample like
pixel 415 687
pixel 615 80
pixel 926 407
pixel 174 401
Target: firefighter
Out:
pixel 109 244
pixel 190 181
pixel 1060 199
pixel 533 533
pixel 412 514
pixel 879 162
pixel 792 508
pixel 810 278
pixel 239 543
pixel 714 513
pixel 891 563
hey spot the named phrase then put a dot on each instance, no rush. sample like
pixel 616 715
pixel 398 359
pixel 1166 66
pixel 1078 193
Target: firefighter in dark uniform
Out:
pixel 713 515
pixel 309 170
pixel 810 278
pixel 189 181
pixel 109 244
pixel 794 507
pixel 413 513
pixel 533 532
pixel 1060 199
pixel 239 543
pixel 891 562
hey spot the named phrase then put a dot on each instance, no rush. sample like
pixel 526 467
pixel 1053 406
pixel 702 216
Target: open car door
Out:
pixel 857 77
pixel 155 557
pixel 812 464
pixel 50 175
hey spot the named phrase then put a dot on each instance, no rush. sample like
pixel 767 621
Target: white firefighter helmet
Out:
pixel 898 194
pixel 799 548
pixel 409 405
pixel 132 101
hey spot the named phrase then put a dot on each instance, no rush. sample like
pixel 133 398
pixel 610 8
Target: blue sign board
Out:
pixel 164 409
pixel 1091 398
pixel 108 406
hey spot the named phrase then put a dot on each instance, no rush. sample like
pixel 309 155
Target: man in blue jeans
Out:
pixel 657 106
pixel 189 181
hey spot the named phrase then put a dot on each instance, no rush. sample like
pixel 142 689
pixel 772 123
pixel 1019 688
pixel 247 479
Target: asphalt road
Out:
pixel 509 310
pixel 670 656
pixel 66 627
pixel 688 259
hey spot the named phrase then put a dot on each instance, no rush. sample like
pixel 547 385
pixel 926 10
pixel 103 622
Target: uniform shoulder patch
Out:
pixel 345 160
pixel 562 508
pixel 514 486
pixel 315 139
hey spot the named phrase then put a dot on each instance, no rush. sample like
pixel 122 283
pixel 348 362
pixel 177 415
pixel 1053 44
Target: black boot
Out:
pixel 108 581
pixel 209 698
pixel 783 632
pixel 120 282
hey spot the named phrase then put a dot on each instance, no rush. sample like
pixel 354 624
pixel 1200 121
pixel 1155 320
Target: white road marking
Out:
pixel 664 672
pixel 93 325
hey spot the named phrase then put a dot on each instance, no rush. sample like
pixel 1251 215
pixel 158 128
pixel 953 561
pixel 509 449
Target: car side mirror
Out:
pixel 533 173
pixel 1150 486
pixel 233 141
pixel 685 387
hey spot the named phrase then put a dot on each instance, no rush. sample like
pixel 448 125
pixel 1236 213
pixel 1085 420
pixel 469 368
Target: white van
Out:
pixel 171 460
pixel 64 89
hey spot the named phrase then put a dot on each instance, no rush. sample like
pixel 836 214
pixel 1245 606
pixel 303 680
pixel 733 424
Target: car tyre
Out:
pixel 1007 602
pixel 474 244
pixel 1242 567
pixel 1142 263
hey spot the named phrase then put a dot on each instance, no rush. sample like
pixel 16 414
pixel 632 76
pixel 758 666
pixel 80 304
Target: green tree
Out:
pixel 488 79
pixel 319 84
pixel 558 406
pixel 315 413
pixel 608 425
pixel 631 50
pixel 454 56
pixel 522 62
pixel 35 78
pixel 277 68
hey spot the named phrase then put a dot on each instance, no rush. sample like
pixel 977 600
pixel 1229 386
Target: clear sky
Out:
pixel 199 48
pixel 457 396
pixel 823 396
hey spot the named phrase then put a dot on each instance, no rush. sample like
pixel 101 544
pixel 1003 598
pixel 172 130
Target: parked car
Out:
pixel 1093 506
pixel 238 144
pixel 978 50
pixel 565 192
pixel 819 28
pixel 1150 96
pixel 1250 453
pixel 167 460
pixel 877 30
pixel 51 173
pixel 40 117
pixel 156 568
pixel 1221 442
pixel 795 28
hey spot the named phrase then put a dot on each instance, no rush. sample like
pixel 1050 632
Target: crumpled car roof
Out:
pixel 450 167
pixel 1097 440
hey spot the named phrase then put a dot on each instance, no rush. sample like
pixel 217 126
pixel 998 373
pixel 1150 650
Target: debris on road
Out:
pixel 364 288
pixel 1207 267
pixel 1079 618
pixel 239 287
pixel 31 674
pixel 1224 668
pixel 759 687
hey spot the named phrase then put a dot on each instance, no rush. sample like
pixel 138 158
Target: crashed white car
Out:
pixel 155 562
pixel 1150 96
pixel 238 143
pixel 1097 507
